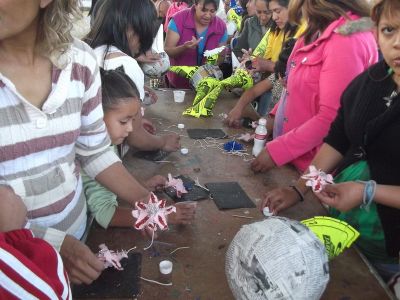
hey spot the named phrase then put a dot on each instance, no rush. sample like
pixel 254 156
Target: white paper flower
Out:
pixel 316 179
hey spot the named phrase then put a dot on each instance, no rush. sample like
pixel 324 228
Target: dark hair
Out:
pixel 321 13
pixel 205 2
pixel 114 17
pixel 116 87
pixel 385 7
pixel 281 63
pixel 289 28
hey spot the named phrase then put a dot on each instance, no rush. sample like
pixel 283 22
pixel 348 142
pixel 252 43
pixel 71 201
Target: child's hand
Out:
pixel 171 142
pixel 12 210
pixel 148 126
pixel 185 212
pixel 155 183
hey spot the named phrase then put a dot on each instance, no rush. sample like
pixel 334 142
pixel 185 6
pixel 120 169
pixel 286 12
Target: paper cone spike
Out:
pixel 241 79
pixel 184 71
pixel 208 91
pixel 335 234
pixel 235 61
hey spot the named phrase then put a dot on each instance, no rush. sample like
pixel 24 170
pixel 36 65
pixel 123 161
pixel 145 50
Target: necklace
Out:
pixel 389 99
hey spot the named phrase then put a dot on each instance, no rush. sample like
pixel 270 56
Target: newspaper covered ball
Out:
pixel 276 258
pixel 157 68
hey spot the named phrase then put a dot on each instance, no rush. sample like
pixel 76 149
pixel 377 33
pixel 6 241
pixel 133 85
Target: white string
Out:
pixel 244 217
pixel 156 282
pixel 151 244
pixel 133 248
pixel 178 249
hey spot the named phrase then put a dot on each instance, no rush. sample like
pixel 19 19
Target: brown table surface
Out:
pixel 198 272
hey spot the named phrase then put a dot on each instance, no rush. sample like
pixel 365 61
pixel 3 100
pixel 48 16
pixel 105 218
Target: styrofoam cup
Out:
pixel 165 267
pixel 179 96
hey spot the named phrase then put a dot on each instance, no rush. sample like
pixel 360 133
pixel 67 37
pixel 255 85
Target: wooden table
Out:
pixel 199 270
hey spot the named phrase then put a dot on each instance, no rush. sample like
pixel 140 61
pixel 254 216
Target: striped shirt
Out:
pixel 42 150
pixel 30 268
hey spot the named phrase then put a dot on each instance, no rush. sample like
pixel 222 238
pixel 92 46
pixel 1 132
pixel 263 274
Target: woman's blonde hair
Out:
pixel 320 13
pixel 390 8
pixel 55 25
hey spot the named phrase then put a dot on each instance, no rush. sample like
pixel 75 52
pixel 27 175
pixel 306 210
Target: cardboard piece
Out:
pixel 151 155
pixel 112 283
pixel 229 195
pixel 194 193
pixel 200 133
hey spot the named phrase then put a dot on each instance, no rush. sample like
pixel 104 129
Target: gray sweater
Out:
pixel 250 36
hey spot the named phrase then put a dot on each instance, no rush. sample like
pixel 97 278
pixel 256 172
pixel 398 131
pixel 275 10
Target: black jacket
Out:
pixel 365 128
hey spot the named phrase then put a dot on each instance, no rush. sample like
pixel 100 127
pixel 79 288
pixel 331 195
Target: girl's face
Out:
pixel 16 16
pixel 262 12
pixel 279 14
pixel 119 119
pixel 389 42
pixel 205 13
pixel 133 41
pixel 251 7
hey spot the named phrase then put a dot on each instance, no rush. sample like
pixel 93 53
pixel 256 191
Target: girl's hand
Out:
pixel 279 199
pixel 155 183
pixel 185 213
pixel 148 126
pixel 148 57
pixel 342 196
pixel 171 142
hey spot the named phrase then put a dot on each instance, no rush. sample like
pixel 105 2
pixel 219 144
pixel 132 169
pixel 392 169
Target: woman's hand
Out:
pixel 185 213
pixel 192 44
pixel 81 264
pixel 263 162
pixel 155 183
pixel 261 65
pixel 246 54
pixel 148 57
pixel 233 118
pixel 171 142
pixel 150 96
pixel 280 199
pixel 342 196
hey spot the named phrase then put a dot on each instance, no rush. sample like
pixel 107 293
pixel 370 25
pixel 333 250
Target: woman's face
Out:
pixel 262 12
pixel 16 16
pixel 119 120
pixel 279 14
pixel 389 41
pixel 251 7
pixel 205 13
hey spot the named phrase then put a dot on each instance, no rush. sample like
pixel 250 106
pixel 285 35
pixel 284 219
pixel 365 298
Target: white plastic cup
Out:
pixel 165 267
pixel 179 96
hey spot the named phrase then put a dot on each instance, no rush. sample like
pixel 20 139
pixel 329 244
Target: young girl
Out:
pixel 122 30
pixel 121 107
pixel 362 148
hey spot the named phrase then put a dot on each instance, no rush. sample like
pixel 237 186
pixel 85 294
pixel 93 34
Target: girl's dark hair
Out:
pixel 280 65
pixel 205 2
pixel 389 8
pixel 112 19
pixel 321 13
pixel 116 87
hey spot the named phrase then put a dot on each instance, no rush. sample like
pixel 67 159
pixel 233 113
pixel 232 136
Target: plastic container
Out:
pixel 260 137
pixel 166 267
pixel 179 96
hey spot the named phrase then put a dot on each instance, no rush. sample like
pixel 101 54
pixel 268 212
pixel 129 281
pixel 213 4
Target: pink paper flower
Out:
pixel 316 179
pixel 152 214
pixel 110 257
pixel 177 184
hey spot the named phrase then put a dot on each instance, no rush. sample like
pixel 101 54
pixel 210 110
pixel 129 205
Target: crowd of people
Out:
pixel 70 109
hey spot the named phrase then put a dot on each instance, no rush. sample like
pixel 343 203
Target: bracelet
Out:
pixel 295 188
pixel 368 194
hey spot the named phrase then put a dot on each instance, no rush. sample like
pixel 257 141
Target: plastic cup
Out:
pixel 165 267
pixel 179 96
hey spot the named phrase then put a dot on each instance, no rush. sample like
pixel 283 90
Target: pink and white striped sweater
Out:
pixel 42 150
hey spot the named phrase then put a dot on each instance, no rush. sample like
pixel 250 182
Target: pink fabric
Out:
pixel 173 9
pixel 319 73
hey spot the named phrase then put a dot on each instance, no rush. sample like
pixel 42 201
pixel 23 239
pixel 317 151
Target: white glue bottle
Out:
pixel 260 137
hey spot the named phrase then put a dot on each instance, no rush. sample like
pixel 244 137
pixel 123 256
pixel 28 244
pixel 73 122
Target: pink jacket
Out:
pixel 318 74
